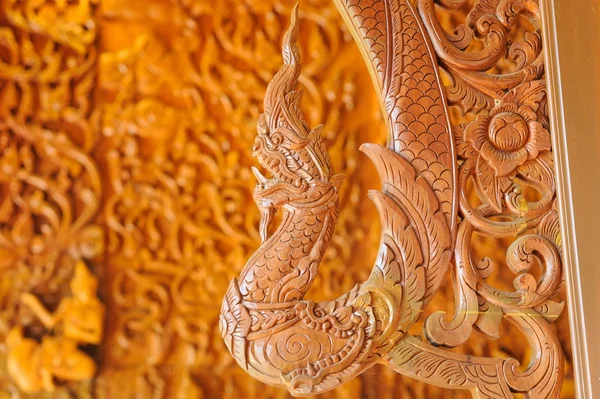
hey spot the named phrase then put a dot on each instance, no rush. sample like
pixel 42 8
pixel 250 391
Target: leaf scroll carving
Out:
pixel 51 319
pixel 429 219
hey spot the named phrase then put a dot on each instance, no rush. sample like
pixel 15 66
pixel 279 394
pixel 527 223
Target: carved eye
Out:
pixel 277 138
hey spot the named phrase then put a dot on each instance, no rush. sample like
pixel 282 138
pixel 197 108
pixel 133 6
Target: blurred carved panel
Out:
pixel 126 131
pixel 51 192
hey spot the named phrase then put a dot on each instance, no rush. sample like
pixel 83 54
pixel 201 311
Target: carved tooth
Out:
pixel 343 353
pixel 329 361
pixel 261 179
pixel 311 370
pixel 335 358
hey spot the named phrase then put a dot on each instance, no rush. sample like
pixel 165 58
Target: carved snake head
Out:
pixel 295 157
pixel 292 153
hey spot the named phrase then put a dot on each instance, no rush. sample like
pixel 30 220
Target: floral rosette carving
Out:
pixel 511 140
pixel 506 152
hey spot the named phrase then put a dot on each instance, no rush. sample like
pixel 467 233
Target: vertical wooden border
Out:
pixel 572 49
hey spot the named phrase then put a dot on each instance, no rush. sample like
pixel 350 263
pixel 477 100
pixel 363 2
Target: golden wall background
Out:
pixel 126 130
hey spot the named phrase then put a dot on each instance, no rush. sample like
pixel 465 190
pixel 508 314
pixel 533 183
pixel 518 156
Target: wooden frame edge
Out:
pixel 572 49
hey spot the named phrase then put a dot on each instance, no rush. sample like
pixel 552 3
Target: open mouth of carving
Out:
pixel 263 182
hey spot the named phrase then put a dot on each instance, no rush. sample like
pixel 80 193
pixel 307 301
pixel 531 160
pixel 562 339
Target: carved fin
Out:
pixel 418 202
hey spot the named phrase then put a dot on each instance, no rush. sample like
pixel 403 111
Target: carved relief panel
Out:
pixel 128 133
pixel 282 339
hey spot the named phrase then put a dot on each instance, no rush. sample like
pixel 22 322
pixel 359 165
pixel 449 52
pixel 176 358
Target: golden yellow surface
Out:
pixel 126 130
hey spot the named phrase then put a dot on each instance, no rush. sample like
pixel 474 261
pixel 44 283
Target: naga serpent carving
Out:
pixel 283 339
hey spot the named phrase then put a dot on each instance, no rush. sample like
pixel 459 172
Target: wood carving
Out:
pixel 50 316
pixel 274 333
pixel 126 131
pixel 283 339
pixel 77 321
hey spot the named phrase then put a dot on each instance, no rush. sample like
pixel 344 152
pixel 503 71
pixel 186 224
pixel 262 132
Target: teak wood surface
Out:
pixel 128 134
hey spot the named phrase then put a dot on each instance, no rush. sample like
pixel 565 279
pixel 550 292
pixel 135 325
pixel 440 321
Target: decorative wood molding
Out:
pixel 572 34
pixel 504 150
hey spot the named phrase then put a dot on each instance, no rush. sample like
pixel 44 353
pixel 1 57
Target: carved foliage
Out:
pixel 50 194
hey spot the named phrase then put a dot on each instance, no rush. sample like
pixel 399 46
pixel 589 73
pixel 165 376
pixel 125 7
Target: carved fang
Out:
pixel 259 176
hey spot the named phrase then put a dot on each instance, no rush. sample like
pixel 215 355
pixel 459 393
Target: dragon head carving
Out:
pixel 293 154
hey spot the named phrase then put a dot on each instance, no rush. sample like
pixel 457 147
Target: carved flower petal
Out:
pixel 477 131
pixel 466 150
pixel 528 94
pixel 539 140
pixel 528 114
pixel 503 162
pixel 540 172
pixel 505 107
pixel 487 185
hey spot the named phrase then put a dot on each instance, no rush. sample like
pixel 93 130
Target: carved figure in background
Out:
pixel 78 320
pixel 282 339
pixel 24 363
